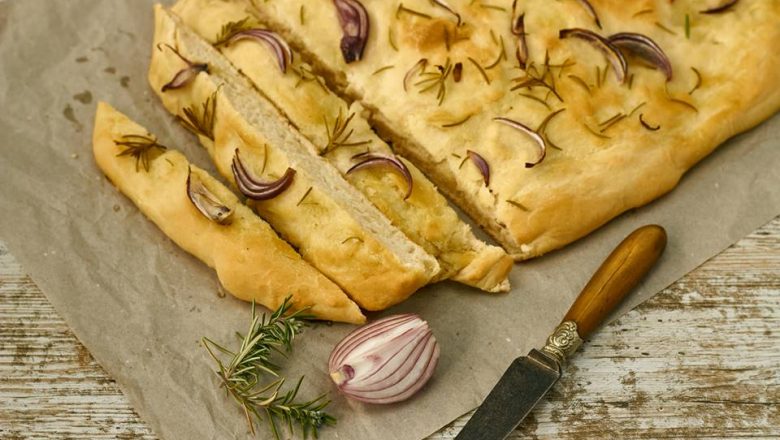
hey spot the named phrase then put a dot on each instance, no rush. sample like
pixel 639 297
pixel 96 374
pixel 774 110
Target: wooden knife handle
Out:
pixel 616 277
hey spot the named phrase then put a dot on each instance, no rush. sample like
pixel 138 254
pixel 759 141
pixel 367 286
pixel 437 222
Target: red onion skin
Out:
pixel 254 189
pixel 372 159
pixel 394 369
pixel 353 19
pixel 645 48
pixel 612 53
pixel 282 51
pixel 539 139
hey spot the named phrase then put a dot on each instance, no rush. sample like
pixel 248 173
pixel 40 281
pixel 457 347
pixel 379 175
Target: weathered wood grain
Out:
pixel 700 360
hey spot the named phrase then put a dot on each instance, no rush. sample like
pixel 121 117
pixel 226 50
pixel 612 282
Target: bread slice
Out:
pixel 725 80
pixel 425 217
pixel 331 224
pixel 251 261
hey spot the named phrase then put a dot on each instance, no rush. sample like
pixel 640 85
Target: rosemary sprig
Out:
pixel 480 69
pixel 242 375
pixel 201 122
pixel 139 147
pixel 338 136
pixel 436 80
pixel 231 28
pixel 306 74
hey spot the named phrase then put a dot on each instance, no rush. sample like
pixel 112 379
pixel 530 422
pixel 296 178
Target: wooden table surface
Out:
pixel 700 360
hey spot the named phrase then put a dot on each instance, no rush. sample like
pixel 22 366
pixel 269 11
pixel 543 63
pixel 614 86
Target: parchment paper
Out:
pixel 141 305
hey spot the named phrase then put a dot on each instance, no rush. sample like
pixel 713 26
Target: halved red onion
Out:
pixel 186 75
pixel 536 137
pixel 254 189
pixel 280 48
pixel 612 53
pixel 722 8
pixel 369 160
pixel 481 164
pixel 353 19
pixel 449 9
pixel 518 29
pixel 591 11
pixel 645 48
pixel 386 361
pixel 205 201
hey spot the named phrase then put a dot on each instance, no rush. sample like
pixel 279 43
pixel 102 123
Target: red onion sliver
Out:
pixel 645 48
pixel 613 55
pixel 539 139
pixel 186 75
pixel 353 19
pixel 449 9
pixel 591 11
pixel 518 29
pixel 481 164
pixel 722 8
pixel 280 48
pixel 253 188
pixel 386 361
pixel 371 160
pixel 206 202
pixel 418 66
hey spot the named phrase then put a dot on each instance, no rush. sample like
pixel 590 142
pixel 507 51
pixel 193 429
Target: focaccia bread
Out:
pixel 251 261
pixel 339 132
pixel 331 224
pixel 617 139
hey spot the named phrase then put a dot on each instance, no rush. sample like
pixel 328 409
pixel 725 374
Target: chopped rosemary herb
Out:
pixel 391 39
pixel 382 69
pixel 436 80
pixel 231 28
pixel 339 136
pixel 698 80
pixel 687 26
pixel 581 82
pixel 542 129
pixel 664 28
pixel 242 376
pixel 494 7
pixel 631 113
pixel 612 123
pixel 457 123
pixel 303 15
pixel 642 12
pixel 306 194
pixel 501 55
pixel 403 9
pixel 481 70
pixel 610 120
pixel 201 123
pixel 352 238
pixel 646 125
pixel 305 74
pixel 493 37
pixel 598 77
pixel 535 98
pixel 684 103
pixel 630 81
pixel 518 205
pixel 140 148
pixel 595 133
pixel 455 155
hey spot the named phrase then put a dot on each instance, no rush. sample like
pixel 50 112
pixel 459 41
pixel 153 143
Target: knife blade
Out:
pixel 530 377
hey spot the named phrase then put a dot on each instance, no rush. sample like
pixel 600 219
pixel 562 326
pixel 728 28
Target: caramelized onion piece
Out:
pixel 536 137
pixel 518 29
pixel 612 53
pixel 368 160
pixel 205 201
pixel 386 361
pixel 280 48
pixel 186 75
pixel 643 47
pixel 591 11
pixel 722 8
pixel 353 19
pixel 481 164
pixel 254 189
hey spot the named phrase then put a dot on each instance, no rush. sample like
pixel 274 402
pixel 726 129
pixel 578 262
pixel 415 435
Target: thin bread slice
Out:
pixel 251 261
pixel 331 224
pixel 339 131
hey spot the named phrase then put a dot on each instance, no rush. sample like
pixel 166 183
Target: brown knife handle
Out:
pixel 616 277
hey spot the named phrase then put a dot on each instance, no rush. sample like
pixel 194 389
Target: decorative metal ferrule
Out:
pixel 563 342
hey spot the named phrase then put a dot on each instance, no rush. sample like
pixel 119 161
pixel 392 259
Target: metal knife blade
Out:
pixel 521 387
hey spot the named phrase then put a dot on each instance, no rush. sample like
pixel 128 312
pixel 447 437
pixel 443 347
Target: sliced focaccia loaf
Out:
pixel 340 133
pixel 205 219
pixel 302 196
pixel 582 109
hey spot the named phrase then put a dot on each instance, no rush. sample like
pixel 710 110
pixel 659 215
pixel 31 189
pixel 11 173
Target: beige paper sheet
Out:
pixel 141 305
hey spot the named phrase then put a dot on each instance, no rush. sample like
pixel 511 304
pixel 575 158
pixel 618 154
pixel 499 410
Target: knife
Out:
pixel 529 378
